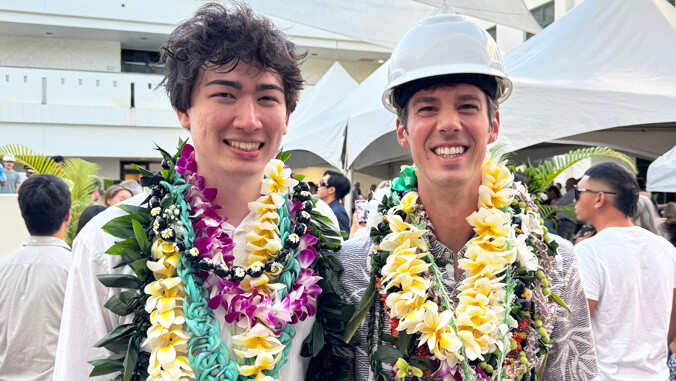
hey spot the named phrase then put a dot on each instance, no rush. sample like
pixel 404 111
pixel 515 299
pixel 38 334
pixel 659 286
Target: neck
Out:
pixel 614 219
pixel 448 210
pixel 234 192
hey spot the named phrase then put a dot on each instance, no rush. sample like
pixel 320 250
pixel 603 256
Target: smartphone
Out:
pixel 360 208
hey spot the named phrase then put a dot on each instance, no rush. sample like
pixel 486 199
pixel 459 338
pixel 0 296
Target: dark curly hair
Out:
pixel 218 37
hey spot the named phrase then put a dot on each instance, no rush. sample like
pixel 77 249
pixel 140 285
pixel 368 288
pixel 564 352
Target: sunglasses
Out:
pixel 578 190
pixel 322 183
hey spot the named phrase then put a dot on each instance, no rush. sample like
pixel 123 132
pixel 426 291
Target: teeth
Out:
pixel 244 146
pixel 449 151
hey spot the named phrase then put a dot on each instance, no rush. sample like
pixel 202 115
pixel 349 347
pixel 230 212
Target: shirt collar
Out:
pixel 46 241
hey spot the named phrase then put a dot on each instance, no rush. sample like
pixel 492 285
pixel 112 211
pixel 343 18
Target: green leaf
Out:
pixel 132 208
pixel 314 342
pixel 128 246
pixel 141 237
pixel 113 363
pixel 119 228
pixel 560 302
pixel 283 156
pixel 123 302
pixel 387 354
pixel 120 280
pixel 298 177
pixel 141 268
pixel 130 358
pixel 361 311
pixel 144 172
pixel 121 332
pixel 541 372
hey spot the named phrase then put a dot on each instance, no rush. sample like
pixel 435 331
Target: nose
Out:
pixel 246 115
pixel 448 121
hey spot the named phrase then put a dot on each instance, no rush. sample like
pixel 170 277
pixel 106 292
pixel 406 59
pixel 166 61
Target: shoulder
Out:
pixel 92 241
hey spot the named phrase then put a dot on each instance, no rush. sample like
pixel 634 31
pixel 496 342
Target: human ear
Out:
pixel 402 135
pixel 183 118
pixel 495 128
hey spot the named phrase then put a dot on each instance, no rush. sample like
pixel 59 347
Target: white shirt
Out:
pixel 32 283
pixel 631 273
pixel 85 320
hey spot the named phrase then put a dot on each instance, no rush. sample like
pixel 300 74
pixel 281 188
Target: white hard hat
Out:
pixel 442 45
pixel 8 157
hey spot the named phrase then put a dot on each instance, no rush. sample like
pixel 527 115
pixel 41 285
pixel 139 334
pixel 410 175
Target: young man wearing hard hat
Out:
pixel 462 276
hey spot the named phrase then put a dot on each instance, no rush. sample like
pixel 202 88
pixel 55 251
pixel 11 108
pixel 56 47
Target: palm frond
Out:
pixel 498 150
pixel 542 176
pixel 35 160
pixel 80 176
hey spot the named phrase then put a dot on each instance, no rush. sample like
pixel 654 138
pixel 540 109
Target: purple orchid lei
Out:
pixel 245 307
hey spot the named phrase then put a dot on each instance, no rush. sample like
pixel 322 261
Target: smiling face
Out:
pixel 448 131
pixel 237 120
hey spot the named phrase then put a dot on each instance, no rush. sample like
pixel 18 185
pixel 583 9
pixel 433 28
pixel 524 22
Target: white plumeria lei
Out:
pixel 480 323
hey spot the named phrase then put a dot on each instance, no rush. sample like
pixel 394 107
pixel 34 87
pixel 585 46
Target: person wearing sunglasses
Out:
pixel 332 188
pixel 629 276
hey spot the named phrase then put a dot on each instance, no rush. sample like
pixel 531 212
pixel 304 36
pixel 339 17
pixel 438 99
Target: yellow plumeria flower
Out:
pixel 165 267
pixel 165 294
pixel 486 264
pixel 402 268
pixel 489 198
pixel 168 318
pixel 402 232
pixel 267 203
pixel 497 177
pixel 438 334
pixel 161 248
pixel 410 321
pixel 263 362
pixel 278 179
pixel 490 222
pixel 257 340
pixel 474 343
pixel 408 202
pixel 403 302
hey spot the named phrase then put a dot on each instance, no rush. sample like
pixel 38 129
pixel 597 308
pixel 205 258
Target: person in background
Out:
pixel 114 195
pixel 13 179
pixel 313 187
pixel 566 223
pixel 332 188
pixel 133 185
pixel 33 282
pixel 356 194
pixel 58 159
pixel 90 212
pixel 553 194
pixel 646 217
pixel 629 277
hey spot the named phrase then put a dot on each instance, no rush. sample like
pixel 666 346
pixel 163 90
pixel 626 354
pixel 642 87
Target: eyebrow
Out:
pixel 424 100
pixel 223 82
pixel 469 97
pixel 269 86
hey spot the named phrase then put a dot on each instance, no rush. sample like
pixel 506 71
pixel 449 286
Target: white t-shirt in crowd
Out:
pixel 631 273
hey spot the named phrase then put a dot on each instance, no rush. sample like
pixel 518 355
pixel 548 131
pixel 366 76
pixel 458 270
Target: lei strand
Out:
pixel 502 323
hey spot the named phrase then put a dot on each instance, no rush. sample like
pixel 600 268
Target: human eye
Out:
pixel 223 95
pixel 269 98
pixel 468 106
pixel 425 110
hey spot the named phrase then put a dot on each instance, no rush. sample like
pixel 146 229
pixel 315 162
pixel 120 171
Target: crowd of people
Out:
pixel 455 273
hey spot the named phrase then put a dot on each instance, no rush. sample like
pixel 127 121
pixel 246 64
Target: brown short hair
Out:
pixel 218 36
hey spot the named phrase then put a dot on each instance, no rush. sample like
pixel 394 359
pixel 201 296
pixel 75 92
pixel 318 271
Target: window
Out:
pixel 544 15
pixel 128 172
pixel 493 32
pixel 138 61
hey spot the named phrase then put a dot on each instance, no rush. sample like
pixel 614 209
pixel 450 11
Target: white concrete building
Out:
pixel 74 78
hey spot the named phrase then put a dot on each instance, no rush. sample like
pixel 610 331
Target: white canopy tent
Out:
pixel 384 22
pixel 590 78
pixel 606 64
pixel 662 173
pixel 307 123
